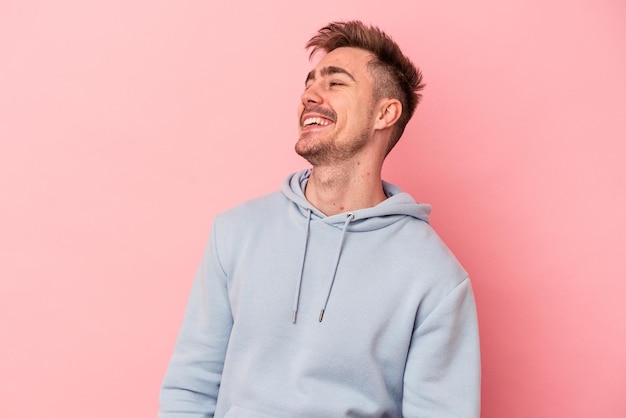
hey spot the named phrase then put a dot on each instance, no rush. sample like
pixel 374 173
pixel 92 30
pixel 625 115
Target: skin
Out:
pixel 348 150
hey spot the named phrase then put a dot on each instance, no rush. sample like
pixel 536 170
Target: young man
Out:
pixel 333 297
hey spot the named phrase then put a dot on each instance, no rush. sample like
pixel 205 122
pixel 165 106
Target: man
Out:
pixel 333 297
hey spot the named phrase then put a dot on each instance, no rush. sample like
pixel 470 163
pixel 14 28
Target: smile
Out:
pixel 315 121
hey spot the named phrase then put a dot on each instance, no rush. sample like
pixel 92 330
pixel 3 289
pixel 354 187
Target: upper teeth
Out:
pixel 318 121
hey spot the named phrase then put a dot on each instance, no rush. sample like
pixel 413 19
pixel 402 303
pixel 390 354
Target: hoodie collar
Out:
pixel 397 205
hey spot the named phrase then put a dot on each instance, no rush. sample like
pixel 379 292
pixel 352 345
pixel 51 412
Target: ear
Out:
pixel 389 111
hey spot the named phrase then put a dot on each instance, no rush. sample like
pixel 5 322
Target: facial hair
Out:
pixel 325 150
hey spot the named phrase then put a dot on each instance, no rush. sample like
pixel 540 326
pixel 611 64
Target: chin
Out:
pixel 305 151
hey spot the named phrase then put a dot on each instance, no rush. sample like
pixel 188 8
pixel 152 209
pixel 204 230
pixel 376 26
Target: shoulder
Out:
pixel 430 255
pixel 253 209
pixel 249 217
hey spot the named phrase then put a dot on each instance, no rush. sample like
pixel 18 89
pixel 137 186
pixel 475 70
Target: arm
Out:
pixel 442 375
pixel 192 380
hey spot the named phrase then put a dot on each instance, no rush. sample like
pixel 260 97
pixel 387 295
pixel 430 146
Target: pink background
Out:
pixel 125 126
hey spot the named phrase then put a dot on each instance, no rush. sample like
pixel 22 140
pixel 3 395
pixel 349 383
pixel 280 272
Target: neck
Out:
pixel 345 188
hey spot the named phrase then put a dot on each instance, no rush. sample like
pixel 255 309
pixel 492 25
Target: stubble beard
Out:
pixel 326 151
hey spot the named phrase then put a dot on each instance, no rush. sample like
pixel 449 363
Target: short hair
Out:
pixel 394 74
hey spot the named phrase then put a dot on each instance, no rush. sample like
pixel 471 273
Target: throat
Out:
pixel 333 191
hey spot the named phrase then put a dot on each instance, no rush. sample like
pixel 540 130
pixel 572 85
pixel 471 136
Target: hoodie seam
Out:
pixel 215 247
pixel 441 301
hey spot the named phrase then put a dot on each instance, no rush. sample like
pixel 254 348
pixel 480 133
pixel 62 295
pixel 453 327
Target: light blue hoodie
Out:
pixel 297 314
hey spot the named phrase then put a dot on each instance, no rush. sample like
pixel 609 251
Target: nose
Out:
pixel 311 95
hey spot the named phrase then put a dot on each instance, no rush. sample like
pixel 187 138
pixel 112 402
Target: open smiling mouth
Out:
pixel 315 121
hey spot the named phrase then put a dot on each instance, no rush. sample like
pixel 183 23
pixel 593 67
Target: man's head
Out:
pixel 339 118
pixel 394 74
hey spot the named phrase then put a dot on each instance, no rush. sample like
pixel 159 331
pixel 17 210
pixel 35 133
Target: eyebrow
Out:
pixel 328 71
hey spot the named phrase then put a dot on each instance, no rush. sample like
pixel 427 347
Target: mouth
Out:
pixel 315 121
pixel 316 117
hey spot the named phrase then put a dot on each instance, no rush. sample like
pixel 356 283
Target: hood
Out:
pixel 397 205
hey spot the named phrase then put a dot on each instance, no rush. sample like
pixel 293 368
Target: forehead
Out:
pixel 353 60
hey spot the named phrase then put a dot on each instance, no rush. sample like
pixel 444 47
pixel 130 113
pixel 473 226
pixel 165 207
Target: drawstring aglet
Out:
pixel 321 315
pixel 293 317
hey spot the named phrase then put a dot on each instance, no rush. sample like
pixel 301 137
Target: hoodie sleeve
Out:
pixel 192 379
pixel 442 375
